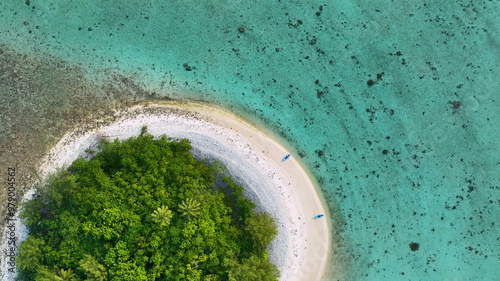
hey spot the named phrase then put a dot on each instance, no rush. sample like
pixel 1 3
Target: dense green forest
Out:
pixel 144 209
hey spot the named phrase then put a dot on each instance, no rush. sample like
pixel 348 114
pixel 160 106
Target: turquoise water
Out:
pixel 398 162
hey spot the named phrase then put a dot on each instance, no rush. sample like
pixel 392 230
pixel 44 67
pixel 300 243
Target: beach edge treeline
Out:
pixel 144 209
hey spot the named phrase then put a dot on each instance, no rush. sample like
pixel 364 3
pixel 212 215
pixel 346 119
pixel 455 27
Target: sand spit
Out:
pixel 283 189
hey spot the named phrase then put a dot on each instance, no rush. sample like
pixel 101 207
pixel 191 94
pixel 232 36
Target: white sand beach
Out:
pixel 283 189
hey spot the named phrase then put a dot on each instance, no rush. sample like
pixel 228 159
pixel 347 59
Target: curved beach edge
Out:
pixel 301 250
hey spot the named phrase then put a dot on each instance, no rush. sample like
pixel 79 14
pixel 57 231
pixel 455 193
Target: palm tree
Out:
pixel 189 208
pixel 162 216
pixel 65 275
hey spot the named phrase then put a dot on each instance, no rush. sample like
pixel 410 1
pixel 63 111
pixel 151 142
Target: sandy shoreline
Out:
pixel 283 189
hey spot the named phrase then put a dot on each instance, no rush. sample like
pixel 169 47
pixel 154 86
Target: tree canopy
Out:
pixel 144 209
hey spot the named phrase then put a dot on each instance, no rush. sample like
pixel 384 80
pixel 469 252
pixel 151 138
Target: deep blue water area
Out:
pixel 394 106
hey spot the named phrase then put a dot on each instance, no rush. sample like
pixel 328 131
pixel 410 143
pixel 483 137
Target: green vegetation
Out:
pixel 144 209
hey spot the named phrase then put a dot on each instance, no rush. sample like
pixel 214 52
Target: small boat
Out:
pixel 318 216
pixel 286 157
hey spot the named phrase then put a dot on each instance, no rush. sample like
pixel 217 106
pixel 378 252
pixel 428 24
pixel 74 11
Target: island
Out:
pixel 252 155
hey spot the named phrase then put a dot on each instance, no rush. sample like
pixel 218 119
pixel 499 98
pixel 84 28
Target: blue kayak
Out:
pixel 286 157
pixel 318 216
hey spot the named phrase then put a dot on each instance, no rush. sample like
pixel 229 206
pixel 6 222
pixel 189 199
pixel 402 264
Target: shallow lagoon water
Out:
pixel 397 162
